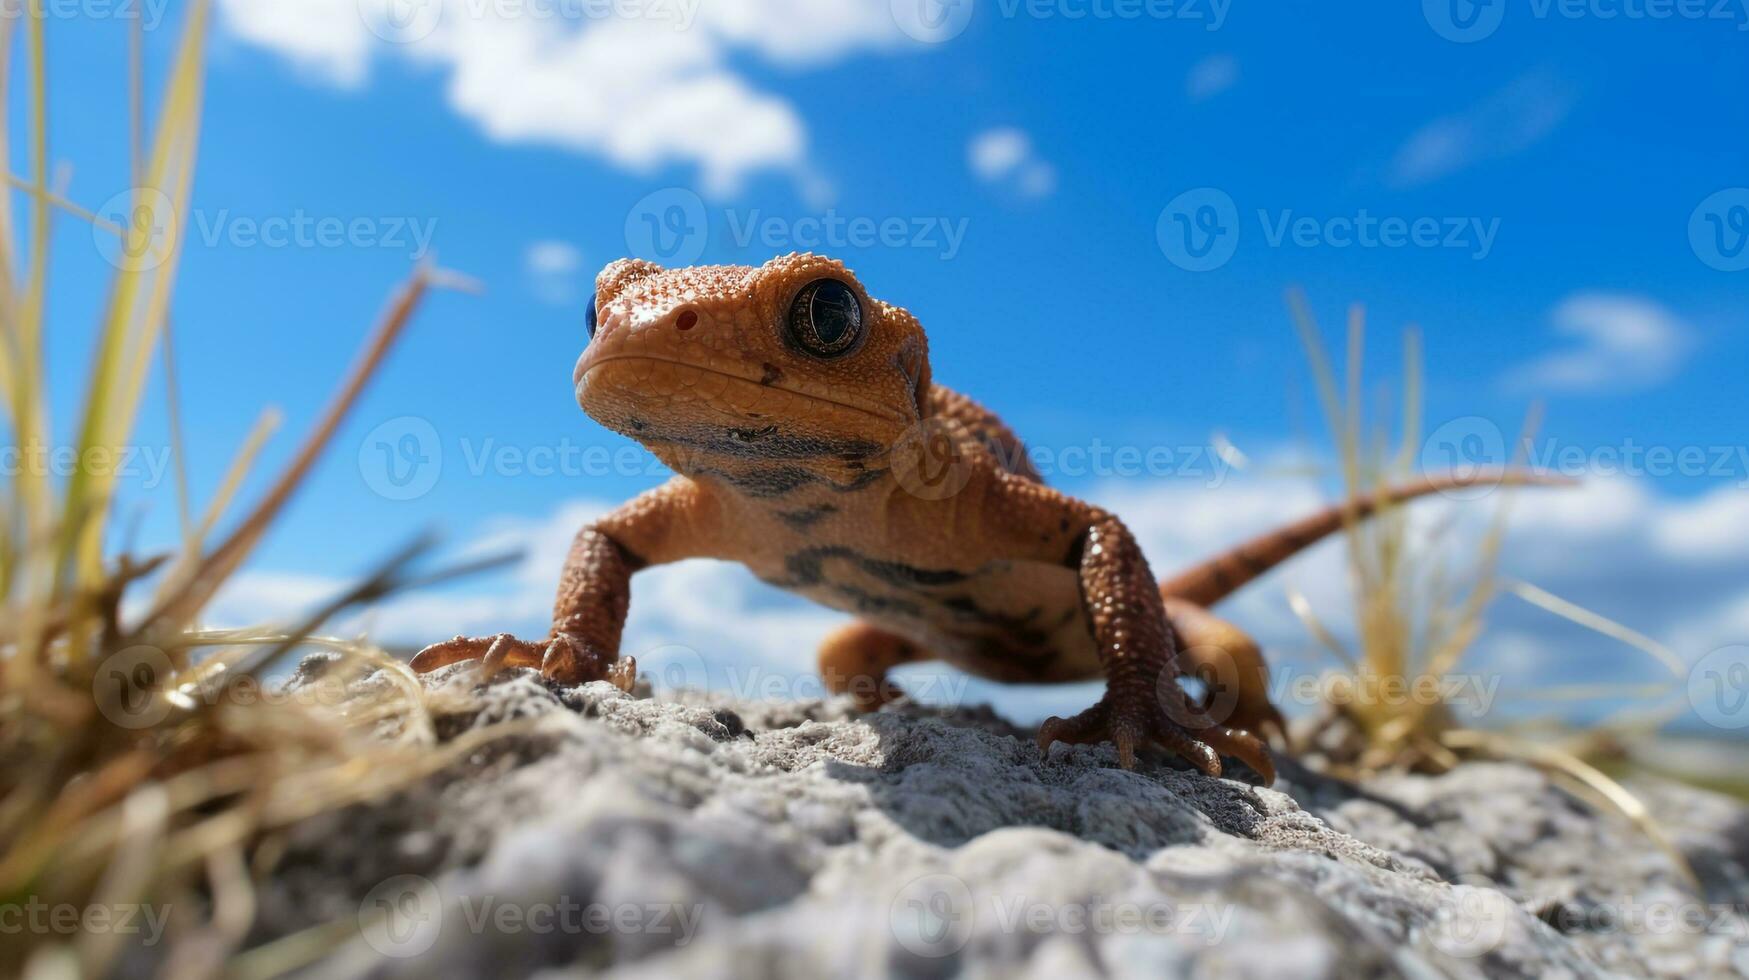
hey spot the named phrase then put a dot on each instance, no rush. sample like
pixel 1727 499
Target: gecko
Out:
pixel 810 443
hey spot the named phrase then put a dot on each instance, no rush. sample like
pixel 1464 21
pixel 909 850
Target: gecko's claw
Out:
pixel 1146 722
pixel 563 659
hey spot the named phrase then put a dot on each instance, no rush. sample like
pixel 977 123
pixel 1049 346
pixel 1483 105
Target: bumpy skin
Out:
pixel 857 482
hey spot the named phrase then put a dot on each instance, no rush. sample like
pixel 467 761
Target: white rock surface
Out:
pixel 703 838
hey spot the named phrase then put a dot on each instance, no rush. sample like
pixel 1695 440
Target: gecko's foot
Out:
pixel 563 659
pixel 1134 721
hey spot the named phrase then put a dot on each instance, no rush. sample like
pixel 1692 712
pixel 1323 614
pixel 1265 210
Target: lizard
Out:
pixel 810 443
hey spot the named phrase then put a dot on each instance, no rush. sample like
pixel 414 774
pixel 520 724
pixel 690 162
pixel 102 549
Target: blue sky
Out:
pixel 1039 162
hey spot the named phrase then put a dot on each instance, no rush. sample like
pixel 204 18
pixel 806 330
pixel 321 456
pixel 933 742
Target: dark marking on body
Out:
pixel 806 517
pixel 752 435
pixel 870 603
pixel 776 481
pixel 808 567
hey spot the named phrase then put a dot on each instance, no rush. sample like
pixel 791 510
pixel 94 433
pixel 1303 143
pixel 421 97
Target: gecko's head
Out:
pixel 790 360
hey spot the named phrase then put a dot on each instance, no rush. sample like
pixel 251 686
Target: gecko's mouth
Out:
pixel 604 385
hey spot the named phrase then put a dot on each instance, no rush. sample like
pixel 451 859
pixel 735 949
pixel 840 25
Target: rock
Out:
pixel 700 836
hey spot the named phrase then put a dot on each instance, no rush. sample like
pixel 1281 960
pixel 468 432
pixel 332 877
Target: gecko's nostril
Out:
pixel 687 320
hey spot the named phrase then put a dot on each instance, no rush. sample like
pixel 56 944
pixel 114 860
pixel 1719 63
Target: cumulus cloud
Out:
pixel 1211 76
pixel 1507 122
pixel 1617 343
pixel 326 38
pixel 554 271
pixel 1005 157
pixel 1654 563
pixel 640 91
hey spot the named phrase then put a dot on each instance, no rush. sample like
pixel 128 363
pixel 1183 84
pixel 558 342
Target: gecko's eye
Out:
pixel 826 318
pixel 589 317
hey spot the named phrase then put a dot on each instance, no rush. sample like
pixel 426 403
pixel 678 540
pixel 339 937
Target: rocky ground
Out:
pixel 701 837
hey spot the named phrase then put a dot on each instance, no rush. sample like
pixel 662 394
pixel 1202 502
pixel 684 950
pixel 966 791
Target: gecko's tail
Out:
pixel 1213 580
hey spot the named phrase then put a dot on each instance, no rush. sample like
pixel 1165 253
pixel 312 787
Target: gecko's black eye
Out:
pixel 589 317
pixel 825 319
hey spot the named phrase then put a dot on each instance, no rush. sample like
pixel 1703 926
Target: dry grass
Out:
pixel 137 761
pixel 1419 610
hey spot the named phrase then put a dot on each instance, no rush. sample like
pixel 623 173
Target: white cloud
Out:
pixel 1211 76
pixel 1005 156
pixel 639 91
pixel 327 38
pixel 553 271
pixel 1620 343
pixel 1506 122
pixel 1710 529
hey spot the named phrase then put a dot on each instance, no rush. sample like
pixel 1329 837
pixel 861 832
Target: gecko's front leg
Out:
pixel 1143 702
pixel 671 522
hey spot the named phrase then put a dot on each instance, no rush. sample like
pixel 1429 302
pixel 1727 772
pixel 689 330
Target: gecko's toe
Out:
pixel 1086 727
pixel 494 652
pixel 1241 745
pixel 1201 756
pixel 570 661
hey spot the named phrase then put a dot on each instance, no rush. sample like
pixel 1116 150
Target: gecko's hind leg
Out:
pixel 1231 667
pixel 855 659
